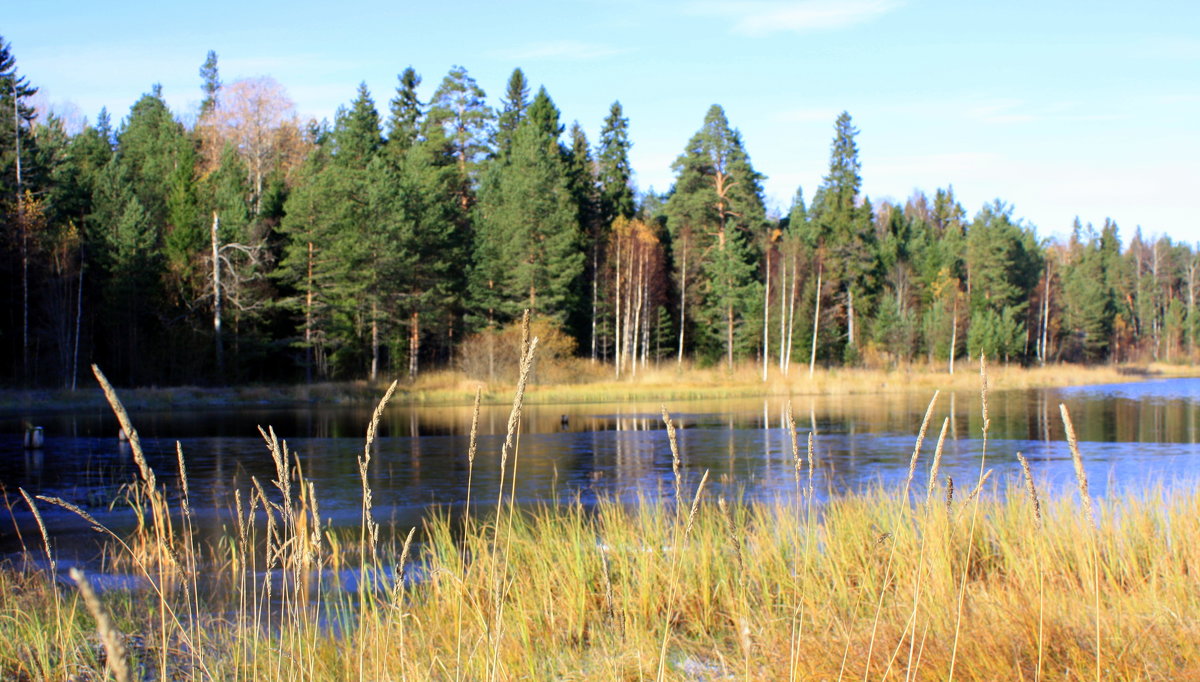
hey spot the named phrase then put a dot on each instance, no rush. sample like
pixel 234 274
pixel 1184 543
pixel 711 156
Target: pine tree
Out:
pixel 714 207
pixel 460 111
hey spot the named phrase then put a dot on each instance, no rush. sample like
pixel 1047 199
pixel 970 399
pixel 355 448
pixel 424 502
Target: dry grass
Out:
pixel 871 585
pixel 582 381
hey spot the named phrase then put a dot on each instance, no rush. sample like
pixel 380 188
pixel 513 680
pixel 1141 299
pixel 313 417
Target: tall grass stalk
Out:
pixel 966 569
pixel 1036 507
pixel 368 534
pixel 472 448
pixel 676 464
pixel 511 445
pixel 1085 497
pixel 676 558
pixel 937 462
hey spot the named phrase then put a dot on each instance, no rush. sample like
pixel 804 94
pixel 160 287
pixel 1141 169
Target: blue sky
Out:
pixel 1060 109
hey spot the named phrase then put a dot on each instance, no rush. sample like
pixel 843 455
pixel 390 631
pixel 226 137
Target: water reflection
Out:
pixel 1131 433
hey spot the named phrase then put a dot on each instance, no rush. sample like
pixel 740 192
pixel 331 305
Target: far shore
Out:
pixel 585 383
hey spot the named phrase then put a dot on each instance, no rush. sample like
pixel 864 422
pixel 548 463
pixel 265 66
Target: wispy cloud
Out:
pixel 762 17
pixel 563 49
pixel 1016 111
pixel 807 115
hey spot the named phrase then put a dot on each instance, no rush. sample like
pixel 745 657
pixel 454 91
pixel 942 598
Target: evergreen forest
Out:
pixel 247 245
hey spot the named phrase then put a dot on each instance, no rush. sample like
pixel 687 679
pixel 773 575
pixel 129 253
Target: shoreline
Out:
pixel 448 388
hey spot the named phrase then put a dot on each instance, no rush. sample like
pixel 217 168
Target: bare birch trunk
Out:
pixel 682 300
pixel 1191 314
pixel 374 341
pixel 812 358
pixel 308 319
pixel 766 317
pixel 850 315
pixel 729 335
pixel 78 322
pixel 1046 320
pixel 635 329
pixel 629 339
pixel 953 332
pixel 783 287
pixel 617 346
pixel 791 333
pixel 216 283
pixel 595 292
pixel 414 344
pixel 646 325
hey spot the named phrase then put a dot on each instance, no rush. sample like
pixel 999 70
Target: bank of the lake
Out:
pixel 583 382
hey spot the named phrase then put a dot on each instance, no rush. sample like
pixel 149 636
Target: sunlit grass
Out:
pixel 579 380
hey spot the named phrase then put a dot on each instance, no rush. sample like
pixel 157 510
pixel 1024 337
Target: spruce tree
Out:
pixel 210 83
pixel 583 181
pixel 843 234
pixel 616 174
pixel 527 251
pixel 405 119
pixel 1004 264
pixel 516 100
pixel 356 132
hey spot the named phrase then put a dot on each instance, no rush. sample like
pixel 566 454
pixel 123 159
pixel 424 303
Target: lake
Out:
pixel 1132 436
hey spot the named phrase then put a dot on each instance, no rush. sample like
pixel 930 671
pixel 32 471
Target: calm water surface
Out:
pixel 1132 436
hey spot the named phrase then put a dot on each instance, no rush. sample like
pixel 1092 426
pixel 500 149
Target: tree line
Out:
pixel 253 246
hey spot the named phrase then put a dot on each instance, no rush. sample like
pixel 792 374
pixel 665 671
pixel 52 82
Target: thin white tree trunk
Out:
pixel 791 329
pixel 850 315
pixel 783 287
pixel 308 318
pixel 1046 319
pixel 682 300
pixel 414 345
pixel 646 325
pixel 635 328
pixel 617 346
pixel 766 318
pixel 374 341
pixel 812 359
pixel 78 322
pixel 953 332
pixel 216 282
pixel 595 292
